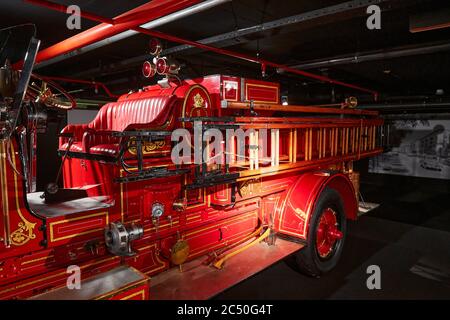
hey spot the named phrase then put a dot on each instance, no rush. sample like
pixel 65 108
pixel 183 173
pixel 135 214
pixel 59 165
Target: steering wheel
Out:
pixel 49 93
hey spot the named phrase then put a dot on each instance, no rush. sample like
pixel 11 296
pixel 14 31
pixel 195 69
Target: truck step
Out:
pixel 121 283
pixel 365 207
pixel 198 281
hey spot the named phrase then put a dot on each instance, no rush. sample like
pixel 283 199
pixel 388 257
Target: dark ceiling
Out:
pixel 340 34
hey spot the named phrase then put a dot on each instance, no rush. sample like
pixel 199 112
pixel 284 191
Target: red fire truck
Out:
pixel 127 211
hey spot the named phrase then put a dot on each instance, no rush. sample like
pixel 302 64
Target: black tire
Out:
pixel 308 259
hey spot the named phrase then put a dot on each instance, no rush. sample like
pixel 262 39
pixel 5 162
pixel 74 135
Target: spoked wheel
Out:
pixel 326 236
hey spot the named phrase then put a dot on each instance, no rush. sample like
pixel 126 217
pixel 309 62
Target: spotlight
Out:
pixel 148 69
pixel 165 66
pixel 162 66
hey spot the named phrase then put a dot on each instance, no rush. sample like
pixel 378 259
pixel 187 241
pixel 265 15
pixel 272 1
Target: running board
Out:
pixel 198 281
pixel 121 283
pixel 365 207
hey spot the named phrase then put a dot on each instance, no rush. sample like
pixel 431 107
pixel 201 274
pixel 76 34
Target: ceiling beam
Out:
pixel 368 56
pixel 340 8
pixel 418 116
pixel 412 107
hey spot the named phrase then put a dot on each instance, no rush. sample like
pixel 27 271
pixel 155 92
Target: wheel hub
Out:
pixel 327 233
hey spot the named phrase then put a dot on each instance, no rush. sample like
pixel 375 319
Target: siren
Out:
pixel 148 69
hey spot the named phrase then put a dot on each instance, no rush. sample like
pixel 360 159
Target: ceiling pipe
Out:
pixel 264 63
pixel 135 17
pixel 431 20
pixel 373 56
pixel 402 107
pixel 418 116
pixel 95 84
pixel 197 8
pixel 203 6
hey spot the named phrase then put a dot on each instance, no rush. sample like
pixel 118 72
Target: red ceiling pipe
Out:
pixel 140 15
pixel 237 55
pixel 71 80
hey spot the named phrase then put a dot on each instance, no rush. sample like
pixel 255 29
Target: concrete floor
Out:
pixel 408 237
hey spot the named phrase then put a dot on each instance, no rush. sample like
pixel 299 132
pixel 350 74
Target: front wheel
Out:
pixel 326 236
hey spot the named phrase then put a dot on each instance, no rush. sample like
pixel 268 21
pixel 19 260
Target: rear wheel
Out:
pixel 326 236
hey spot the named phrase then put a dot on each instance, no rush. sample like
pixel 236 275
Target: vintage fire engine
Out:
pixel 126 211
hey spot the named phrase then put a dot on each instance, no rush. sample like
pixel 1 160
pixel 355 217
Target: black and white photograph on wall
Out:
pixel 416 148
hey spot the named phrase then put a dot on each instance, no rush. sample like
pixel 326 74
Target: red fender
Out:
pixel 298 205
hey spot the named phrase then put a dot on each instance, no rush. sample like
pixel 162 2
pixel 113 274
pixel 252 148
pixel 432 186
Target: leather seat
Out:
pixel 105 149
pixel 124 115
